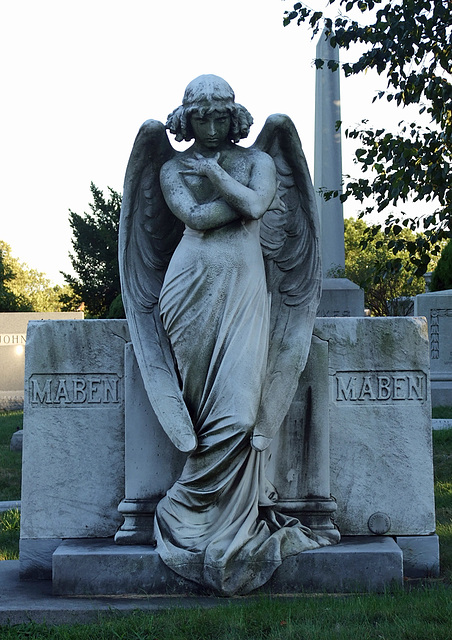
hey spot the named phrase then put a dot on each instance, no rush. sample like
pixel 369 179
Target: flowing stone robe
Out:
pixel 215 526
pixel 203 299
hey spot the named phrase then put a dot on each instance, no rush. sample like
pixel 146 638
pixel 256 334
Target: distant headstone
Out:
pixel 340 297
pixel 16 440
pixel 436 306
pixel 13 330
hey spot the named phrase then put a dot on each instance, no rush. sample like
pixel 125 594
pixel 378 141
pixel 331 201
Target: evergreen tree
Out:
pixel 95 257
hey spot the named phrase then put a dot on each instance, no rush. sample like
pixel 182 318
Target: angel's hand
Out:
pixel 199 165
pixel 277 203
pixel 260 443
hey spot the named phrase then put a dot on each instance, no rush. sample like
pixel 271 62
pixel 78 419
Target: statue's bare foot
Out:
pixel 260 443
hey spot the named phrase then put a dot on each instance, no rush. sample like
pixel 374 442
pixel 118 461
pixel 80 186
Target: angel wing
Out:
pixel 148 236
pixel 290 245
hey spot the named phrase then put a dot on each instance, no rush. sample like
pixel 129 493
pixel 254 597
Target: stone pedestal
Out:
pixel 437 308
pixel 420 555
pixel 152 462
pixel 300 454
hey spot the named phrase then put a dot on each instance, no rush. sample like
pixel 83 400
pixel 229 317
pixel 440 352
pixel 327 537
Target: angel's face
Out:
pixel 212 129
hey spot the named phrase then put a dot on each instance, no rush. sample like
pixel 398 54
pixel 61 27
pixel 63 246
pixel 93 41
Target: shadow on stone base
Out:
pixel 100 567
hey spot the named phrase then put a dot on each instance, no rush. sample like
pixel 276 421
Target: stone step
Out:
pixel 100 567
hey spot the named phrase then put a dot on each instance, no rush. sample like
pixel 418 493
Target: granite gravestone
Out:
pixel 378 464
pixel 201 323
pixel 73 445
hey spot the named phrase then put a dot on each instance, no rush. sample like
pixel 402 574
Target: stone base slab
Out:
pixel 420 556
pixel 441 423
pixel 99 567
pixel 35 557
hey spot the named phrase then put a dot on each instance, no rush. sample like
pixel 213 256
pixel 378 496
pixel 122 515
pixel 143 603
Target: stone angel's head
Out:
pixel 204 95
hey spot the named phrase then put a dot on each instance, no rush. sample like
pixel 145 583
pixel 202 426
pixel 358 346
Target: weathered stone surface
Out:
pixel 380 423
pixel 340 297
pixel 13 329
pixel 96 567
pixel 437 308
pixel 380 440
pixel 299 464
pixel 328 158
pixel 73 457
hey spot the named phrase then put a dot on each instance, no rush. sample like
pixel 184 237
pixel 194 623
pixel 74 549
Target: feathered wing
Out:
pixel 148 236
pixel 290 245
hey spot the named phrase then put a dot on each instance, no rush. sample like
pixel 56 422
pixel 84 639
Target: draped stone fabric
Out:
pixel 216 525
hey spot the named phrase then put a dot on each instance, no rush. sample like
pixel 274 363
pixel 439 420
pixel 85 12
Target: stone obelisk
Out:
pixel 340 297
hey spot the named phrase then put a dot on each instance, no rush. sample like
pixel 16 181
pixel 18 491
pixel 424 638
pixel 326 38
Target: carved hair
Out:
pixel 204 95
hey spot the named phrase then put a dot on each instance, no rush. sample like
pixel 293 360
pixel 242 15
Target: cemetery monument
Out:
pixel 340 296
pixel 220 265
pixel 220 439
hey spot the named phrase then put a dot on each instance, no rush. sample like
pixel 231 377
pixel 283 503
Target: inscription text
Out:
pixel 74 390
pixel 380 386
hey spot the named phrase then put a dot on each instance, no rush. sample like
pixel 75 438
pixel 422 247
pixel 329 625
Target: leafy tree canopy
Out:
pixel 95 257
pixel 386 281
pixel 25 289
pixel 410 41
pixel 8 300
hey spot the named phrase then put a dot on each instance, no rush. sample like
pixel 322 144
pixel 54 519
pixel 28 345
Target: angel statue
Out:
pixel 221 278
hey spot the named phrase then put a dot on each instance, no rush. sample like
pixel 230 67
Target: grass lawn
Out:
pixel 10 461
pixel 419 611
pixel 10 479
pixel 442 412
pixel 425 614
pixel 442 461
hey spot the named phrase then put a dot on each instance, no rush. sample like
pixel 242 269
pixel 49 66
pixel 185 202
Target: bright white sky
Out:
pixel 79 78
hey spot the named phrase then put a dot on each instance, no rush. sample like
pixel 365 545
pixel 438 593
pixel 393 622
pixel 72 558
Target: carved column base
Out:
pixel 138 526
pixel 315 513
